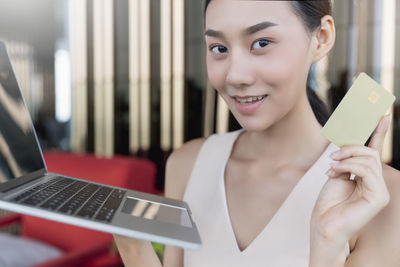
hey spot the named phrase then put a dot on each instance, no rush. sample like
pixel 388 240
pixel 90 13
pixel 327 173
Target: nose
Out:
pixel 239 73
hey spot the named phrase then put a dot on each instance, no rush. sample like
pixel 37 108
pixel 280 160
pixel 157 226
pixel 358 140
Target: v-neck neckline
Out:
pixel 279 210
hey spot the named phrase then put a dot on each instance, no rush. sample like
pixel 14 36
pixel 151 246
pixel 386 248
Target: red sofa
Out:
pixel 84 247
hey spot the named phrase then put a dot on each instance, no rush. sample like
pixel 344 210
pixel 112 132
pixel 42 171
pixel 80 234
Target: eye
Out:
pixel 260 44
pixel 218 49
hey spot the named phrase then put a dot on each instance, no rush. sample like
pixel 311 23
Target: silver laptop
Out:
pixel 26 187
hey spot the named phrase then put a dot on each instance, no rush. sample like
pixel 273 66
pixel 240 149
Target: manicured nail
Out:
pixel 329 172
pixel 334 164
pixel 335 154
pixel 389 120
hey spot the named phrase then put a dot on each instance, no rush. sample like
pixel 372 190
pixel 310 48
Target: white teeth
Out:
pixel 249 99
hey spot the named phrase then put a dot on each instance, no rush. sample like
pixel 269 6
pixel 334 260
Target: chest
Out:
pixel 255 194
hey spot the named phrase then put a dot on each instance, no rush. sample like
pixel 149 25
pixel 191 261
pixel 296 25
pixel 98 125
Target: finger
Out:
pixel 364 161
pixel 378 138
pixel 331 173
pixel 371 180
pixel 356 151
pixel 373 187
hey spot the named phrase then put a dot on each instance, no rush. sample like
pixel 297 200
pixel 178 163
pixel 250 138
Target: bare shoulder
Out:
pixel 177 172
pixel 392 178
pixel 378 243
pixel 179 167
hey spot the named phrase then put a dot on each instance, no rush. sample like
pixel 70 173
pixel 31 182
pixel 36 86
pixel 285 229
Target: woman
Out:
pixel 266 195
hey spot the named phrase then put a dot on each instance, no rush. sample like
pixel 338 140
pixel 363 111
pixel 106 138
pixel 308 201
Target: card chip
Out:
pixel 373 97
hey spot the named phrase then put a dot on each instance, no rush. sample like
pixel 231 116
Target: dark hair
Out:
pixel 310 12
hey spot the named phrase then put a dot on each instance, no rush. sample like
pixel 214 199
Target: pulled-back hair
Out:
pixel 310 12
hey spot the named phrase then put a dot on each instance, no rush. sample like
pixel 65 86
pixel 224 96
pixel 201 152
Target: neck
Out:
pixel 295 138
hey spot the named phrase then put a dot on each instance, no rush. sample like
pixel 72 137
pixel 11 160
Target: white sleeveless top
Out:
pixel 285 240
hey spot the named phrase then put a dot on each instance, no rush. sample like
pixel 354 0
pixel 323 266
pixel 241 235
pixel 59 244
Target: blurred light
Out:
pixel 134 75
pixel 78 42
pixel 63 85
pixel 103 72
pixel 222 116
pixel 145 46
pixel 353 36
pixel 166 73
pixel 178 69
pixel 109 78
pixel 388 64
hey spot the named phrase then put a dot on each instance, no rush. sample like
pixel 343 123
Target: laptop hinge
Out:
pixel 7 186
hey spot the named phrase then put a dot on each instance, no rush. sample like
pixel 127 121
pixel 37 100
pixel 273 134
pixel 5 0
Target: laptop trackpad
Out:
pixel 156 211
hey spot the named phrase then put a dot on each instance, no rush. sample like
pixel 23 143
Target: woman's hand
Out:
pixel 344 206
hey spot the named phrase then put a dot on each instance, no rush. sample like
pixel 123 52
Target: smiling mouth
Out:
pixel 249 100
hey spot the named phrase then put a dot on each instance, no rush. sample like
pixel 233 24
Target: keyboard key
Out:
pixel 94 203
pixel 72 197
pixel 79 199
pixel 47 192
pixel 54 202
pixel 33 190
pixel 107 211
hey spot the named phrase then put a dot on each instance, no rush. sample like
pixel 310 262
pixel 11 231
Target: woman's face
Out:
pixel 258 58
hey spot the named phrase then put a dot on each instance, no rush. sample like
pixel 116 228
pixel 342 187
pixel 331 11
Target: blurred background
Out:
pixel 114 86
pixel 128 77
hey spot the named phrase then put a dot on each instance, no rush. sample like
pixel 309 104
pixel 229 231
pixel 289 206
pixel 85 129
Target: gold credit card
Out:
pixel 359 112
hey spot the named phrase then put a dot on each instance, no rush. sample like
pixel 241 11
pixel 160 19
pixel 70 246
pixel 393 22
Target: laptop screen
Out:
pixel 19 150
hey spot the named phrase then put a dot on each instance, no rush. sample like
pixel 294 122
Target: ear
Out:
pixel 324 38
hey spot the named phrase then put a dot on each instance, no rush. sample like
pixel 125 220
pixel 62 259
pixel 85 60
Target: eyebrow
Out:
pixel 258 27
pixel 213 33
pixel 248 31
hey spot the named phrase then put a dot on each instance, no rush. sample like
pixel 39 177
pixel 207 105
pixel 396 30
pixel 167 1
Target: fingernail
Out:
pixel 329 172
pixel 334 164
pixel 388 121
pixel 390 117
pixel 335 154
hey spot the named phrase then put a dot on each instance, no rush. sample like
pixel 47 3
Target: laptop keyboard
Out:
pixel 73 197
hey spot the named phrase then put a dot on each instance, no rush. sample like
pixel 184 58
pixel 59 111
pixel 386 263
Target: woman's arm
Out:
pixel 344 207
pixel 135 252
pixel 326 252
pixel 139 253
pixel 378 243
